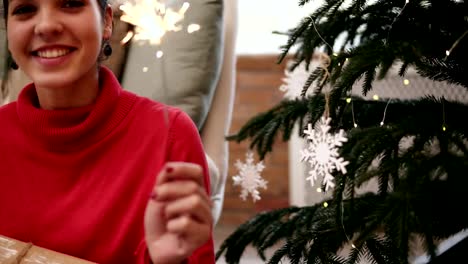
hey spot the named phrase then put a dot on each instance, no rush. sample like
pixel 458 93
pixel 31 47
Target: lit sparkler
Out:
pixel 152 19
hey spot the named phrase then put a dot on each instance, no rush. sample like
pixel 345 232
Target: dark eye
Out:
pixel 72 3
pixel 23 9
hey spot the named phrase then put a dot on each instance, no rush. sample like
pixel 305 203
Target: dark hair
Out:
pixel 4 10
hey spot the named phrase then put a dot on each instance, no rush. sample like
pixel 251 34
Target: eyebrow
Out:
pixel 11 1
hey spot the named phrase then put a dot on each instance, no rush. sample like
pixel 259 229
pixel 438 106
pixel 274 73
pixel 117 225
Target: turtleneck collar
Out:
pixel 75 128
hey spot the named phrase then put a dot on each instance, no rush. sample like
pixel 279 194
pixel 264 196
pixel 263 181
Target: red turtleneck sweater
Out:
pixel 77 181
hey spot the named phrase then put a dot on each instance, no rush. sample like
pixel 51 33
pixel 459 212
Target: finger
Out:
pixel 154 220
pixel 178 189
pixel 193 206
pixel 169 248
pixel 181 170
pixel 189 229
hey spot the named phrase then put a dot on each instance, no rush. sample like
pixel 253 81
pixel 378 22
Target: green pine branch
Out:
pixel 442 70
pixel 264 128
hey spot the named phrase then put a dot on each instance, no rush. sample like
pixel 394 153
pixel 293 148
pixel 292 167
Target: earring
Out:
pixel 13 65
pixel 107 50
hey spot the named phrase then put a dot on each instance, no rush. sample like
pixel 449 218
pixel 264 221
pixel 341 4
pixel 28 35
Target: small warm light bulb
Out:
pixel 335 54
pixel 346 59
pixel 353 246
pixel 159 54
pixel 348 100
pixel 339 63
pixel 447 52
pixel 406 82
pixel 381 123
pixel 325 204
pixel 145 69
pixel 444 128
pixel 193 28
pixel 355 125
pixel 319 190
pixel 375 97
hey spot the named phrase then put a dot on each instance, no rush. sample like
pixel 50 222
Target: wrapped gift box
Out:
pixel 17 252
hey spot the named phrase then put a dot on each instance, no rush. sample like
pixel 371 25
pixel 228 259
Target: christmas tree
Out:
pixel 415 149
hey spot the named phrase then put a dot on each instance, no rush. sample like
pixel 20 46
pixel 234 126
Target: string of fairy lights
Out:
pixel 406 82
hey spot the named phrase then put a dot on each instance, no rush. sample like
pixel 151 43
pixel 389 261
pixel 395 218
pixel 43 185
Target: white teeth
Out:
pixel 53 53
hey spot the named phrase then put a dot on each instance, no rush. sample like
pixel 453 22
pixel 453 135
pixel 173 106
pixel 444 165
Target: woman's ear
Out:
pixel 108 22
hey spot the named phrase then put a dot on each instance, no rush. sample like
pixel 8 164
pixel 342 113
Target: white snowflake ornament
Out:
pixel 294 81
pixel 249 177
pixel 322 153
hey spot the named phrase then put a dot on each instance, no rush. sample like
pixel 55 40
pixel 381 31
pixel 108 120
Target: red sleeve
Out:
pixel 184 144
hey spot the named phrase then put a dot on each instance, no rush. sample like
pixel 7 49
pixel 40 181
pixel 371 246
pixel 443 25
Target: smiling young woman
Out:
pixel 89 169
pixel 57 44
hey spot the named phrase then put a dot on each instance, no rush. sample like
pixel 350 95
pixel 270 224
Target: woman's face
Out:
pixel 57 42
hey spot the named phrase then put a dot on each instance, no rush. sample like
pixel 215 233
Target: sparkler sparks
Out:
pixel 152 19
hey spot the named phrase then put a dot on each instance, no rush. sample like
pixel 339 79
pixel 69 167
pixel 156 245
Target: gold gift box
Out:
pixel 13 251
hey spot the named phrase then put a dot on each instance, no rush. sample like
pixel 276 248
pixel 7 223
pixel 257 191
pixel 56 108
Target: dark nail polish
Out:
pixel 169 169
pixel 153 195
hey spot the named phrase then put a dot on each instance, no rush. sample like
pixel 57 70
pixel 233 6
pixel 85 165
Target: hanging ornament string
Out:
pixel 327 105
pixel 324 64
pixel 325 61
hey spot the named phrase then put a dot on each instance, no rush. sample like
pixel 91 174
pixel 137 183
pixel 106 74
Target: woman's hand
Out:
pixel 178 216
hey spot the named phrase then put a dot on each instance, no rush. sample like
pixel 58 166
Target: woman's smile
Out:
pixel 52 56
pixel 52 53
